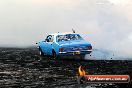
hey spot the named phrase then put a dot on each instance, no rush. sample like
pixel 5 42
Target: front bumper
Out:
pixel 82 52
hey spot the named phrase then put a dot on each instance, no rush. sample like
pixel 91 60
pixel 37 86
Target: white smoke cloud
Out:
pixel 105 23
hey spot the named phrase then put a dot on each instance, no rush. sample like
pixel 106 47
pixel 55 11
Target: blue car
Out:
pixel 64 44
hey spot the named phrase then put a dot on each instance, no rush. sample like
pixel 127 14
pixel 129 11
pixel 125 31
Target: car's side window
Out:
pixel 49 38
pixel 52 39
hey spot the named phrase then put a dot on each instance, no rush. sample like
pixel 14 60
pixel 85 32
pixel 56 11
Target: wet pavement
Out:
pixel 23 67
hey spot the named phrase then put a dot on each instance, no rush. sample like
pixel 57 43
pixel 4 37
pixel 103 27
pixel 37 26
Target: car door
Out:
pixel 48 45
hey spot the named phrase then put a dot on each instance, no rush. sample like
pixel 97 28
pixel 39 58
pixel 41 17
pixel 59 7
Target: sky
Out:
pixel 107 24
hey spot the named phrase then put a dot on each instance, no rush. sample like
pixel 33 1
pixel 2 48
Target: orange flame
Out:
pixel 81 71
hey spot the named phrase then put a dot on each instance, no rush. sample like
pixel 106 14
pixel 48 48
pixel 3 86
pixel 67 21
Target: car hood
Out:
pixel 74 43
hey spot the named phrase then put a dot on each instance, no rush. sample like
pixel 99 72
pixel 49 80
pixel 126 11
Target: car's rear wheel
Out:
pixel 54 55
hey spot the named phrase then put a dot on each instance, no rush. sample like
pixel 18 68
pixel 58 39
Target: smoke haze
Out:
pixel 104 23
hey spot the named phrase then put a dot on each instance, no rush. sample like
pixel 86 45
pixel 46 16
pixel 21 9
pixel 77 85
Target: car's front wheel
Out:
pixel 41 52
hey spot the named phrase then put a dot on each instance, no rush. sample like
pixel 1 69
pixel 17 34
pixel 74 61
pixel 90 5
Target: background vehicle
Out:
pixel 64 44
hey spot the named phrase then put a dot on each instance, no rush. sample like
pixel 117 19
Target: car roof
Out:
pixel 64 33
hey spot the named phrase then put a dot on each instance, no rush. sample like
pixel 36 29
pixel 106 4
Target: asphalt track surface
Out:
pixel 24 68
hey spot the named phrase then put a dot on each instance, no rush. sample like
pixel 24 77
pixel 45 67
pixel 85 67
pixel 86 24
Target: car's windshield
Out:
pixel 68 37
